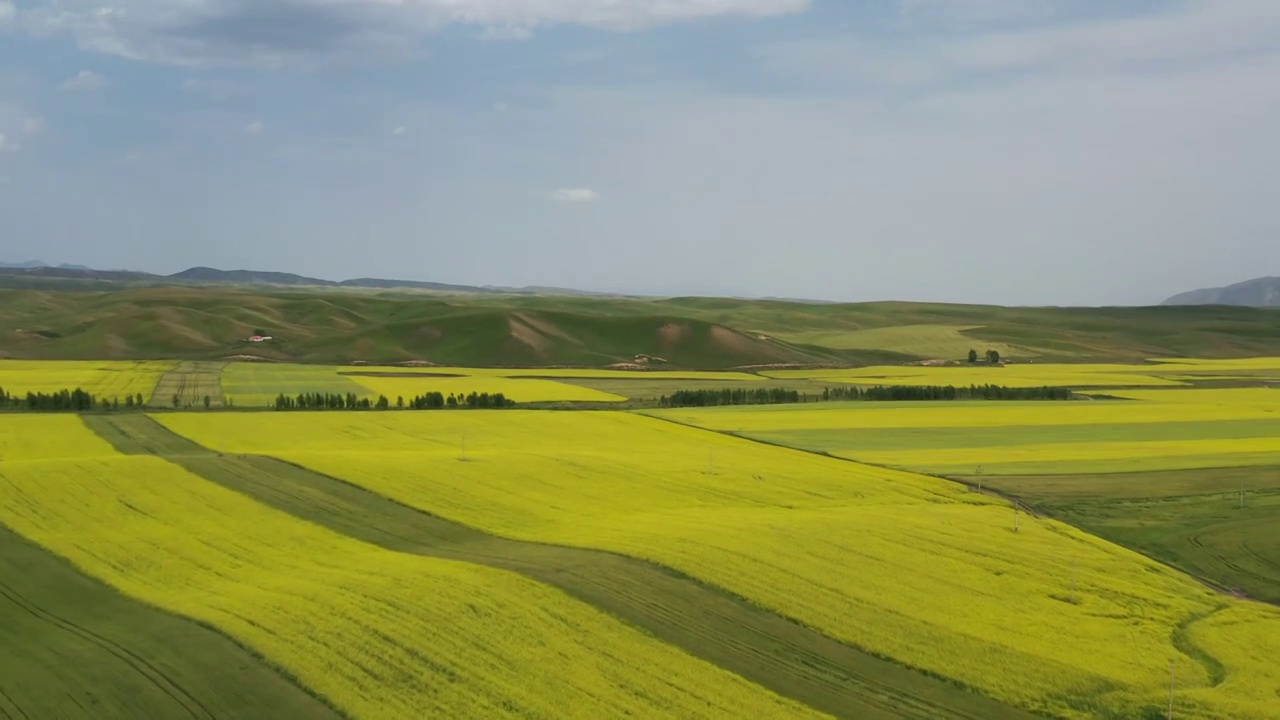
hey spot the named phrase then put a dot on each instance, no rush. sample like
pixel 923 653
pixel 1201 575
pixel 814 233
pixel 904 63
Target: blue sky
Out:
pixel 1005 151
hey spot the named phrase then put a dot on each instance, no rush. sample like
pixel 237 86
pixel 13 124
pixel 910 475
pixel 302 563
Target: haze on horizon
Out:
pixel 997 151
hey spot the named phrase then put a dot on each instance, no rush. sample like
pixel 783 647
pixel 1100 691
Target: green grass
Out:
pixel 191 382
pixel 1191 519
pixel 339 326
pixel 254 385
pixel 917 438
pixel 947 342
pixel 72 647
pixel 758 645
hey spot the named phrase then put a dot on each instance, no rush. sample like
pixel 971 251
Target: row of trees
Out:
pixel 428 401
pixel 77 400
pixel 775 396
pixel 945 392
pixel 730 396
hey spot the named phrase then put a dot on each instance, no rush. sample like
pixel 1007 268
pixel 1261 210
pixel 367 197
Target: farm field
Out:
pixel 558 373
pixel 763 647
pixel 104 378
pixel 1012 375
pixel 520 390
pixel 858 552
pixel 71 646
pixel 188 384
pixel 258 384
pixel 929 341
pixel 1162 472
pixel 378 634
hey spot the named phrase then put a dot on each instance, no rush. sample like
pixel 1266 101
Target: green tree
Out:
pixel 973 355
pixel 177 400
pixel 141 402
pixel 208 402
pixel 993 357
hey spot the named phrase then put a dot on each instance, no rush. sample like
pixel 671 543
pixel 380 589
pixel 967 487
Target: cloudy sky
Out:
pixel 1006 151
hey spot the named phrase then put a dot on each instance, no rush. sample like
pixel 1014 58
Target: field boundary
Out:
pixel 764 647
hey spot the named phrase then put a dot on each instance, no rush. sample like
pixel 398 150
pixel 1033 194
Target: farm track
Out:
pixel 71 647
pixel 191 381
pixel 709 623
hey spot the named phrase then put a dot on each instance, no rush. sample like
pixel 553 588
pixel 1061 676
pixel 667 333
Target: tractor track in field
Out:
pixel 766 648
pixel 139 665
pixel 10 709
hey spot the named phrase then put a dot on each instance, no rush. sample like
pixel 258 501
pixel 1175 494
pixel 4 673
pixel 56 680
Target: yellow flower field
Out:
pixel 524 391
pixel 1182 405
pixel 567 373
pixel 1014 375
pixel 903 565
pixel 258 384
pixel 379 634
pixel 104 378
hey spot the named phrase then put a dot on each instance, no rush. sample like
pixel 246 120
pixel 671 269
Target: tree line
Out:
pixel 427 401
pixel 776 396
pixel 945 392
pixel 730 396
pixel 77 400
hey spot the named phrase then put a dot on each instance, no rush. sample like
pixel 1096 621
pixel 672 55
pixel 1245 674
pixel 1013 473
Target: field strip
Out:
pixel 190 382
pixel 758 645
pixel 132 660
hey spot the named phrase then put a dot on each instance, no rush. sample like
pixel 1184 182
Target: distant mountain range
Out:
pixel 213 276
pixel 1259 292
pixel 41 264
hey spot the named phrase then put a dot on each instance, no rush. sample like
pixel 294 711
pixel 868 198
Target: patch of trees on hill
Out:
pixel 776 396
pixel 428 401
pixel 76 400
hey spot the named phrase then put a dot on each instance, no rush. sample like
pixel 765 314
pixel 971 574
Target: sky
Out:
pixel 1021 152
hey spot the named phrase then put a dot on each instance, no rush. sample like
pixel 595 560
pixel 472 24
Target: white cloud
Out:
pixel 1177 35
pixel 32 125
pixel 501 107
pixel 7 13
pixel 84 80
pixel 574 195
pixel 399 130
pixel 255 127
pixel 280 33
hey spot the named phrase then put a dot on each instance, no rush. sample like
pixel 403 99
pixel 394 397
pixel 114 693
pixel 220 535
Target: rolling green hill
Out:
pixel 344 325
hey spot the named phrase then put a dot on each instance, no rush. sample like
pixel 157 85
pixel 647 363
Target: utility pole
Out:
pixel 1074 562
pixel 979 473
pixel 1170 690
pixel 711 461
pixel 1242 494
pixel 464 446
pixel 1015 516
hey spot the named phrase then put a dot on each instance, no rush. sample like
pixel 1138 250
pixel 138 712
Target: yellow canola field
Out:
pixel 258 384
pixel 521 391
pixel 104 378
pixel 1183 405
pixel 1082 457
pixel 1016 375
pixel 48 437
pixel 379 634
pixel 566 373
pixel 903 565
pixel 1225 365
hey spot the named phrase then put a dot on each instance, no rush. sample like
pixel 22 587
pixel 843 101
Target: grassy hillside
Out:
pixel 341 325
